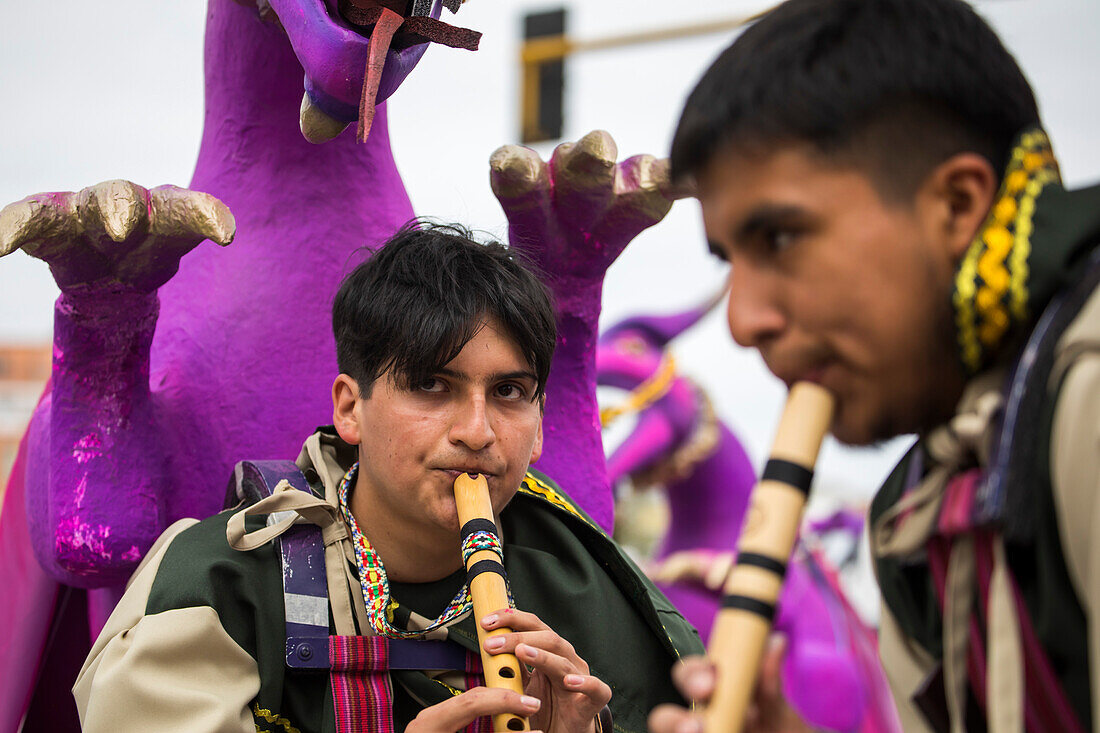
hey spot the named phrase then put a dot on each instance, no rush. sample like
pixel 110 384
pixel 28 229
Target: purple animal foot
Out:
pixel 114 235
pixel 97 503
pixel 572 217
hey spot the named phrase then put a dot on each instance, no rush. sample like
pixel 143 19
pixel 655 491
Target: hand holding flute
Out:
pixel 566 697
pixel 741 628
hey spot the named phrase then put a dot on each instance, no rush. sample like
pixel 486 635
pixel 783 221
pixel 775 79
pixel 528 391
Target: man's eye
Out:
pixel 717 250
pixel 431 384
pixel 511 391
pixel 778 240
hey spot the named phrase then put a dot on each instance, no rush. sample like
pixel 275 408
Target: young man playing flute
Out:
pixel 876 175
pixel 444 345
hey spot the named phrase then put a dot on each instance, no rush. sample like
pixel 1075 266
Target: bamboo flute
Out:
pixel 742 625
pixel 488 589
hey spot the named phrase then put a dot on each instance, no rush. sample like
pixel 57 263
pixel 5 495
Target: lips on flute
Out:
pixel 742 626
pixel 488 587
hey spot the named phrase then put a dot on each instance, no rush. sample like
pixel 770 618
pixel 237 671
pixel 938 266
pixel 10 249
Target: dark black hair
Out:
pixel 893 86
pixel 411 307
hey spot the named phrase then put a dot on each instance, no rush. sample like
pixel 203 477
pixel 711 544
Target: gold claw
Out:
pixel 178 212
pixel 588 163
pixel 516 171
pixel 16 222
pixel 316 126
pixel 41 216
pixel 685 188
pixel 114 208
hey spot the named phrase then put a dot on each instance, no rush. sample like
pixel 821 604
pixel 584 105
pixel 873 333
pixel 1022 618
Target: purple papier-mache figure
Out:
pixel 164 379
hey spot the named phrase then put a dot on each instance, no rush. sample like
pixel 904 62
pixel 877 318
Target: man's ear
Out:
pixel 536 450
pixel 345 408
pixel 959 193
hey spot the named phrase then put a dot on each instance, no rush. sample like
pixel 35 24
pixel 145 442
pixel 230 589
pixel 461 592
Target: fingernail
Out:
pixel 494 643
pixel 531 702
pixel 529 651
pixel 690 726
pixel 700 684
pixel 489 620
pixel 573 680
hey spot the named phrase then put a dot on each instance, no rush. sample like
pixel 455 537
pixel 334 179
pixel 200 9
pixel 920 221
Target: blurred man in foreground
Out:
pixel 876 174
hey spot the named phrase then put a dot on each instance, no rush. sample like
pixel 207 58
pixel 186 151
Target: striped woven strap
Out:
pixel 474 678
pixel 362 693
pixel 362 696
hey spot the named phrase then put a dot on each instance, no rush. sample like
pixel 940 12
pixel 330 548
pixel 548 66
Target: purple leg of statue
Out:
pixel 103 490
pixel 28 603
pixel 573 450
pixel 574 216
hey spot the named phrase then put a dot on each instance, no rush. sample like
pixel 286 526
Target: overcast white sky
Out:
pixel 94 91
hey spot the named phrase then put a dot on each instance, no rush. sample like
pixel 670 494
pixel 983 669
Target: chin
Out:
pixel 855 427
pixel 447 518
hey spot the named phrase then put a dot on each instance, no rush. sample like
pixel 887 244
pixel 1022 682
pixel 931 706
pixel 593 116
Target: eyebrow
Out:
pixel 766 217
pixel 498 377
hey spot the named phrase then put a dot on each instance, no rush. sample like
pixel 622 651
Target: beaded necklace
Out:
pixel 376 586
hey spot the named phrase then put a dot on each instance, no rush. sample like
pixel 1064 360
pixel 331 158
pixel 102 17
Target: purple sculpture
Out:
pixel 162 380
pixel 830 672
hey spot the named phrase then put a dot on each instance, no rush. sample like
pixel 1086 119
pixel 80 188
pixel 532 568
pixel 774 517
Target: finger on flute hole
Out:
pixel 695 677
pixel 529 652
pixel 691 725
pixel 497 618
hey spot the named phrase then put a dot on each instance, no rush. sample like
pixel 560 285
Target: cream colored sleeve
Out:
pixel 173 671
pixel 1075 475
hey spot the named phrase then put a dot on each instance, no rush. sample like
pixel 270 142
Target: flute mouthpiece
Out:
pixel 473 475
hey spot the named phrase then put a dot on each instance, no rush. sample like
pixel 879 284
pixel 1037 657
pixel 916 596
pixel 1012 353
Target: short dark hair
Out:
pixel 893 86
pixel 415 303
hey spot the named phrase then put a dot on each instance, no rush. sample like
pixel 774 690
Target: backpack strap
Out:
pixel 305 588
pixel 1006 498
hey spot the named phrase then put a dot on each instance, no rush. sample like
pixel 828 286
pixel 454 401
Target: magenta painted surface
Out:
pixel 144 426
pixel 827 643
pixel 28 601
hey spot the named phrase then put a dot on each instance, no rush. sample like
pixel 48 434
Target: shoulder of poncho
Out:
pixel 538 486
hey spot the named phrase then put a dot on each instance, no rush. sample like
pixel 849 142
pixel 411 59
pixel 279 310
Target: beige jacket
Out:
pixel 179 670
pixel 1075 469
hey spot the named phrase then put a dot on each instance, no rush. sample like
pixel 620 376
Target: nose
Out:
pixel 754 314
pixel 472 426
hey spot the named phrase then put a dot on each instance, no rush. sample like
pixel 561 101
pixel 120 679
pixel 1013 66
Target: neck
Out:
pixel 409 554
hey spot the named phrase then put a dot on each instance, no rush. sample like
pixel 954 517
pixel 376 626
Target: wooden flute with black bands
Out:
pixel 488 585
pixel 741 628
